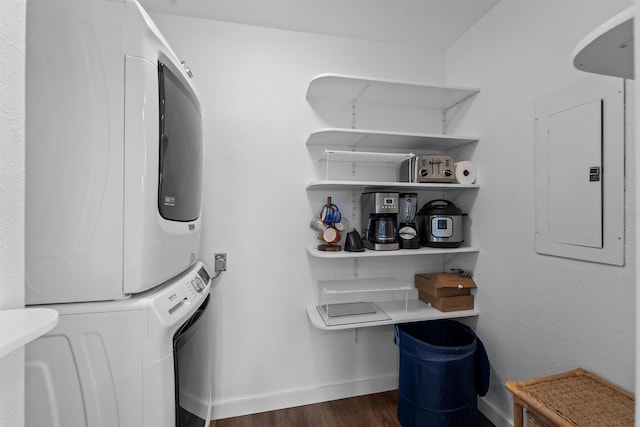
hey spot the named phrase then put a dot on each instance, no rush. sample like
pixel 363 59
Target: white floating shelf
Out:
pixel 314 252
pixel 19 327
pixel 354 185
pixel 354 138
pixel 366 89
pixel 608 49
pixel 414 311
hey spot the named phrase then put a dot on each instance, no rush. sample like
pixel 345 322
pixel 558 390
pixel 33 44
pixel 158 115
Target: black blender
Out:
pixel 407 234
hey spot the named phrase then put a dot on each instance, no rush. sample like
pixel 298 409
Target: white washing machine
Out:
pixel 139 362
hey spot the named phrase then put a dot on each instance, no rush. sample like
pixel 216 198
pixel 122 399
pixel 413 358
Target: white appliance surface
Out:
pixel 93 231
pixel 111 363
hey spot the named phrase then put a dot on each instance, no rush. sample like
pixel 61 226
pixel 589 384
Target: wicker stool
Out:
pixel 576 398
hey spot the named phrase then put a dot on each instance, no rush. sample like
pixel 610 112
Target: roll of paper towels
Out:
pixel 465 172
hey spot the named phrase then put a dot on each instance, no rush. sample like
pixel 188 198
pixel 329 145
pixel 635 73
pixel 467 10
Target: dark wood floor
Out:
pixel 372 410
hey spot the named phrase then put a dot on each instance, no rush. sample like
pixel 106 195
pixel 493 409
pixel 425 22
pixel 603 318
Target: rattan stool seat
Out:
pixel 577 398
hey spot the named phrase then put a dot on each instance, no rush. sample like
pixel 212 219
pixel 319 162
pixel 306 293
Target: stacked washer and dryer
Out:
pixel 114 189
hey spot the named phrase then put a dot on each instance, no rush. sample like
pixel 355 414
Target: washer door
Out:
pixel 192 368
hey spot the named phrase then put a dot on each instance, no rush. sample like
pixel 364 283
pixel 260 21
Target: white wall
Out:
pixel 539 314
pixel 253 83
pixel 636 53
pixel 12 55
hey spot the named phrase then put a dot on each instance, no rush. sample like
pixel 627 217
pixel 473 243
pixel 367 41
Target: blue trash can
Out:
pixel 443 368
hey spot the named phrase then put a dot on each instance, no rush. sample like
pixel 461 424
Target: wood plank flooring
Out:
pixel 373 410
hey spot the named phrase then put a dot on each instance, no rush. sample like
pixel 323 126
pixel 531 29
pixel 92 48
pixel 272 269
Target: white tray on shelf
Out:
pixel 416 311
pixel 351 313
pixel 379 284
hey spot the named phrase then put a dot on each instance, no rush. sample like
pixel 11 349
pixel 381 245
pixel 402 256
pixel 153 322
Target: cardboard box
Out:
pixel 444 284
pixel 461 302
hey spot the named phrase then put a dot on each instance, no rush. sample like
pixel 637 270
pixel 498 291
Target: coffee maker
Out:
pixel 407 230
pixel 379 214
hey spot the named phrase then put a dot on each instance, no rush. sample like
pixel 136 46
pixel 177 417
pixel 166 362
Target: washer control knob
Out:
pixel 198 284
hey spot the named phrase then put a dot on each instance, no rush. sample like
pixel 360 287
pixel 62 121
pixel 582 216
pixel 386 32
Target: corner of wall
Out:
pixel 12 119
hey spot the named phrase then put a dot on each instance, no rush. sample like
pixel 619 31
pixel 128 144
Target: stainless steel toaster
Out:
pixel 427 168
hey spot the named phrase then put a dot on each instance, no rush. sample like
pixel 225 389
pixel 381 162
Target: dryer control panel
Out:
pixel 201 281
pixel 178 300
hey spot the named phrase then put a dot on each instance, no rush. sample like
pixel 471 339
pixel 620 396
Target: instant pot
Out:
pixel 439 224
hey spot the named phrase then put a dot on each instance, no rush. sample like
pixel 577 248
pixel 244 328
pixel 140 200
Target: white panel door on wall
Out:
pixel 574 186
pixel 580 171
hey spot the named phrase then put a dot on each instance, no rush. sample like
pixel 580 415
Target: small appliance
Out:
pixel 407 233
pixel 440 224
pixel 428 168
pixel 354 242
pixel 379 215
pixel 113 154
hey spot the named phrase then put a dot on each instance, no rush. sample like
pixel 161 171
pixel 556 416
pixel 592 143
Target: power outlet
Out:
pixel 220 262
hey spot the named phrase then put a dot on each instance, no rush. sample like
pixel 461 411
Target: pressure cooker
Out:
pixel 439 224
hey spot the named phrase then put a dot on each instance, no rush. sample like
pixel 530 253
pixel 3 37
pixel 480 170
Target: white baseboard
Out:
pixel 289 399
pixel 292 398
pixel 495 416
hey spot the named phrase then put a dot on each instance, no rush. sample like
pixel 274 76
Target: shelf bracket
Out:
pixel 354 114
pixel 445 111
pixel 444 121
pixel 326 170
pixel 359 142
pixel 447 260
pixel 356 334
pixel 355 203
pixel 354 105
pixel 355 268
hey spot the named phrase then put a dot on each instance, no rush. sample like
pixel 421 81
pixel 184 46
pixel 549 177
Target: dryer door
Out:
pixel 180 180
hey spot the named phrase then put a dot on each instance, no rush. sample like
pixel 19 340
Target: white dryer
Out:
pixel 114 154
pixel 139 362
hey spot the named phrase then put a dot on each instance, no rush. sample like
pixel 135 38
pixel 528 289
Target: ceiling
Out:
pixel 424 23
